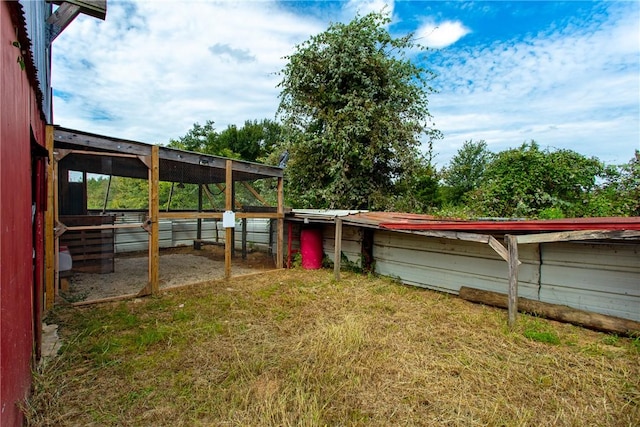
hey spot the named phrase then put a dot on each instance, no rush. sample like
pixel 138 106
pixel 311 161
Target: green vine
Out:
pixel 20 57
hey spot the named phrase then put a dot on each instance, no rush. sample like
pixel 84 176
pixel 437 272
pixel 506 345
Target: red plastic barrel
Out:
pixel 311 248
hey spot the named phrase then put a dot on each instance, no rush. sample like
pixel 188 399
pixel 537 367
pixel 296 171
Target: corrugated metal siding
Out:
pixel 183 233
pixel 602 278
pixel 351 243
pixel 36 13
pixel 447 265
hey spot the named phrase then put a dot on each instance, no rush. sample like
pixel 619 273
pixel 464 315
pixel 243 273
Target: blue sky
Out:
pixel 566 74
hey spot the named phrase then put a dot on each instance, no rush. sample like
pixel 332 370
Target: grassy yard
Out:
pixel 296 348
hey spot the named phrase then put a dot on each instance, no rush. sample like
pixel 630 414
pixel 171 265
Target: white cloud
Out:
pixel 440 35
pixel 574 88
pixel 153 69
pixel 363 7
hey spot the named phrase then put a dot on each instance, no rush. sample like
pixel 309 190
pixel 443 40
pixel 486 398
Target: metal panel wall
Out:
pixel 183 233
pixel 351 243
pixel 602 278
pixel 447 265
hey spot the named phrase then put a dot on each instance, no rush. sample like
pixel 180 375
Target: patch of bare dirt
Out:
pixel 178 267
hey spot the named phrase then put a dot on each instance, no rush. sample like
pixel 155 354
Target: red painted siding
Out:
pixel 19 116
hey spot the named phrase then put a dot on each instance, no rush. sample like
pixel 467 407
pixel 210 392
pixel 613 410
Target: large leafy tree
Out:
pixel 466 169
pixel 530 182
pixel 355 109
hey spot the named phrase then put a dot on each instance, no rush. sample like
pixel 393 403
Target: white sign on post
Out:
pixel 229 219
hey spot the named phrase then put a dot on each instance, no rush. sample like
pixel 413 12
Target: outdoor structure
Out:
pixel 588 264
pixel 27 28
pixel 90 235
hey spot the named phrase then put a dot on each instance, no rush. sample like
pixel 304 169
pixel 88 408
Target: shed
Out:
pixel 589 264
pixel 83 152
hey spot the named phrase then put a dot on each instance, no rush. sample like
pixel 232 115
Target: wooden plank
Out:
pixel 49 221
pixel 101 153
pixel 564 236
pixel 280 225
pixel 228 204
pixel 561 313
pixel 101 227
pixel 512 244
pixel 454 235
pixel 190 215
pixel 337 249
pixel 84 139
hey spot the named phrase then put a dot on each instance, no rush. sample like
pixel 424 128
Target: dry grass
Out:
pixel 296 348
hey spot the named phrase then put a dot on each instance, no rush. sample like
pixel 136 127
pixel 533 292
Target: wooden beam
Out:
pixel 49 224
pixel 100 227
pixel 337 252
pixel 280 226
pixel 104 154
pixel 101 142
pixel 228 205
pixel 61 18
pixel 154 208
pixel 512 244
pixel 152 225
pixel 255 193
pixel 218 215
pixel 95 8
pixel 561 313
pixel 565 236
pixel 56 222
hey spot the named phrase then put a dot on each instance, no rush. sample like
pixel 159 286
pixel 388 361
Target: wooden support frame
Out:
pixel 152 225
pixel 228 240
pixel 512 244
pixel 337 252
pixel 50 220
pixel 83 150
pixel 280 228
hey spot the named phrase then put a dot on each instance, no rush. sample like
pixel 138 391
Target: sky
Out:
pixel 565 74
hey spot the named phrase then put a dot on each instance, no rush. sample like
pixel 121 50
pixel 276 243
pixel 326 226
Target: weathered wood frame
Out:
pixel 150 156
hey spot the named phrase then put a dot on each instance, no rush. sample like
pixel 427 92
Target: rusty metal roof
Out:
pixel 407 221
pixel 410 221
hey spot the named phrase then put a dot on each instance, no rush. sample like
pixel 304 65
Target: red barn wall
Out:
pixel 19 117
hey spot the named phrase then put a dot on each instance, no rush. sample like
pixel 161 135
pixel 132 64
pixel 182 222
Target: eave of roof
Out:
pixel 395 221
pixel 417 222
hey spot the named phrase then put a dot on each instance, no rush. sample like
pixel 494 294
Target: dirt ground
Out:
pixel 178 267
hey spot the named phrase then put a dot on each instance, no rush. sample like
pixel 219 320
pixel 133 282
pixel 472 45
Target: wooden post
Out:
pixel 512 244
pixel 244 238
pixel 154 207
pixel 49 224
pixel 198 243
pixel 56 222
pixel 280 230
pixel 228 205
pixel 337 253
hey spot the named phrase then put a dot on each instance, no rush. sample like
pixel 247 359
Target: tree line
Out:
pixel 353 122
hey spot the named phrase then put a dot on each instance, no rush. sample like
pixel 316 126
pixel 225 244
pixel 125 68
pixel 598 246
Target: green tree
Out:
pixel 204 139
pixel 466 170
pixel 355 107
pixel 530 182
pixel 619 192
pixel 420 191
pixel 254 141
